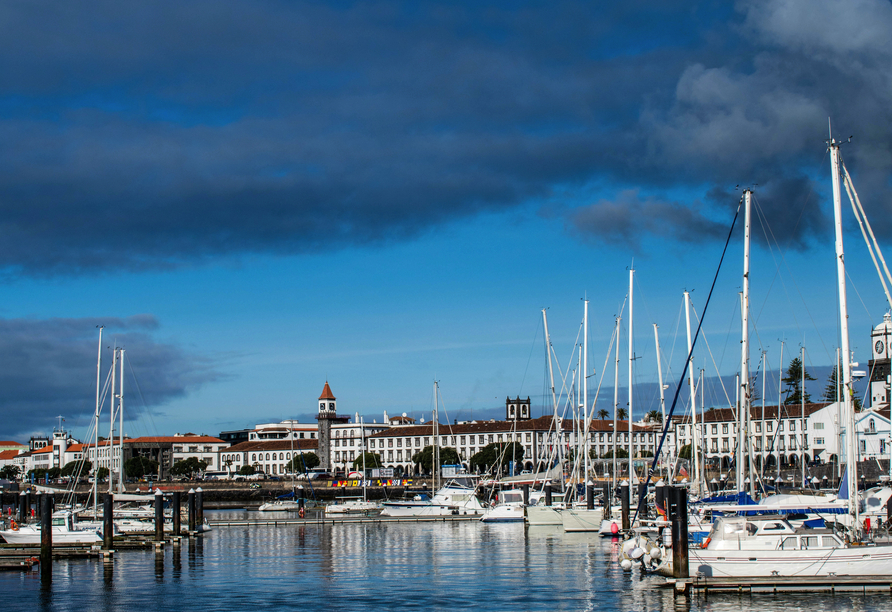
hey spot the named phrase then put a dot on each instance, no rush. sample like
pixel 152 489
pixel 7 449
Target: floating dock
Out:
pixel 322 520
pixel 782 584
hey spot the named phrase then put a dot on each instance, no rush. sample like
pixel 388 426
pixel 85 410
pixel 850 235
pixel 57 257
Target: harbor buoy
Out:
pixel 614 528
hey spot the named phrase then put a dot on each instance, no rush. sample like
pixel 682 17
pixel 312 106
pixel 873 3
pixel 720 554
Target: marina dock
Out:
pixel 340 520
pixel 781 584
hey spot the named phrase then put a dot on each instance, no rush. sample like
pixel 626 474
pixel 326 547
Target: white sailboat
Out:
pixel 769 545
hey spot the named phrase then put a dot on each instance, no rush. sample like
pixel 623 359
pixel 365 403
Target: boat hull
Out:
pixel 853 561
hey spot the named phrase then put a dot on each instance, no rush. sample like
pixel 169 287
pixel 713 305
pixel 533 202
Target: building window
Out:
pixel 769 427
pixel 715 429
pixel 819 425
pixel 724 428
pixel 792 425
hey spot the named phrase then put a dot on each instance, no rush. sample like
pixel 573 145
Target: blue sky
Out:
pixel 255 198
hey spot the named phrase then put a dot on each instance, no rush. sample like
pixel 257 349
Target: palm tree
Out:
pixel 602 414
pixel 654 416
pixel 621 413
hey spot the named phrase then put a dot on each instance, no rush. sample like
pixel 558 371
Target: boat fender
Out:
pixel 614 528
pixel 706 543
pixel 13 525
pixel 301 512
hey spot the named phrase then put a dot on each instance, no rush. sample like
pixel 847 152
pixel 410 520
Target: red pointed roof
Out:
pixel 326 393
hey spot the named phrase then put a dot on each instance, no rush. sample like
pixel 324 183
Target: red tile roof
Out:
pixel 273 445
pixel 11 443
pixel 8 454
pixel 175 439
pixel 326 392
pixel 46 449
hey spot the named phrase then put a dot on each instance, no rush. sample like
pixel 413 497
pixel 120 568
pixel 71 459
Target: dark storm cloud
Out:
pixel 149 135
pixel 50 369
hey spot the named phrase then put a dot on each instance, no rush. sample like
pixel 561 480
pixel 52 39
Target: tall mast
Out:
pixel 362 450
pixel 111 429
pixel 762 448
pixel 631 356
pixel 121 429
pixel 96 426
pixel 802 416
pixel 615 404
pixel 777 436
pixel 694 442
pixel 848 408
pixel 584 380
pixel 744 404
pixel 436 449
pixel 551 382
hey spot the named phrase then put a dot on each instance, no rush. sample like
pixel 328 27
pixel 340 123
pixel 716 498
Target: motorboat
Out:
pixel 508 508
pixel 769 546
pixel 538 514
pixel 452 499
pixel 348 506
pixel 64 527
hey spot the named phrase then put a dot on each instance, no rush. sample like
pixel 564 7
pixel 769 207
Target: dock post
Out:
pixel 175 512
pixel 608 498
pixel 526 494
pixel 27 516
pixel 199 509
pixel 624 501
pixel 159 516
pixel 191 503
pixel 548 495
pixel 108 525
pixel 38 504
pixel 678 514
pixel 21 511
pixel 642 498
pixel 590 496
pixel 46 540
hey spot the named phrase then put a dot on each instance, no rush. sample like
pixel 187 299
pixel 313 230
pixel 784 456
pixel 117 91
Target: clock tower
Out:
pixel 328 414
pixel 879 366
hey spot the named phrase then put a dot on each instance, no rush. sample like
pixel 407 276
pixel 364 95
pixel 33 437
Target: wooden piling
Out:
pixel 46 540
pixel 159 516
pixel 108 525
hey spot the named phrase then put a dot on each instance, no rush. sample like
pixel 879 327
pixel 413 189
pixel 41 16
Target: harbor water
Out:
pixel 397 566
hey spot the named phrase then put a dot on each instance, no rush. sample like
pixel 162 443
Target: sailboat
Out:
pixel 287 502
pixel 764 546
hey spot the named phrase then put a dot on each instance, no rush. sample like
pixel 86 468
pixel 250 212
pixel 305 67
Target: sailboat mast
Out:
pixel 96 426
pixel 551 382
pixel 660 378
pixel 848 408
pixel 111 428
pixel 631 356
pixel 362 450
pixel 694 453
pixel 615 403
pixel 121 429
pixel 802 415
pixel 436 432
pixel 584 381
pixel 743 404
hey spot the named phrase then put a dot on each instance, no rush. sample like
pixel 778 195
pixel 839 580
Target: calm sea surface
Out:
pixel 432 566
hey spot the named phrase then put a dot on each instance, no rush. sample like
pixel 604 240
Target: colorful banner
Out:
pixel 381 482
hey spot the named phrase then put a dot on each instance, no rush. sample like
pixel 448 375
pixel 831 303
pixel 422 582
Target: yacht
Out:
pixel 64 527
pixel 453 498
pixel 508 508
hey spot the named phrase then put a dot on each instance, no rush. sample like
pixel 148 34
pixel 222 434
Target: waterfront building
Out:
pixel 270 457
pixel 328 416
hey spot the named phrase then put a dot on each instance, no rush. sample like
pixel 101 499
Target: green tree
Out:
pixel 603 414
pixel 77 467
pixel 621 453
pixel 246 470
pixel 102 473
pixel 685 452
pixel 188 467
pixel 621 413
pixel 9 472
pixel 654 416
pixel 139 466
pixel 425 457
pixel 793 382
pixel 497 454
pixel 372 461
pixel 834 386
pixel 303 462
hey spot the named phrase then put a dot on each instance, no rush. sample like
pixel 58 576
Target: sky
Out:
pixel 256 197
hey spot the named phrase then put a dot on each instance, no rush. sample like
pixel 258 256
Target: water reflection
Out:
pixel 394 566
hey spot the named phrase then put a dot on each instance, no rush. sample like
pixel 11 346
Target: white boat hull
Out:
pixel 538 516
pixel 853 561
pixel 578 519
pixel 29 535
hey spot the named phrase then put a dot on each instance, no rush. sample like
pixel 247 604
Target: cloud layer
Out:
pixel 146 137
pixel 50 369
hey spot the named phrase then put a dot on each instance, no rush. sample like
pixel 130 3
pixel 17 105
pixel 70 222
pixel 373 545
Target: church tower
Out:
pixel 881 339
pixel 517 409
pixel 328 414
